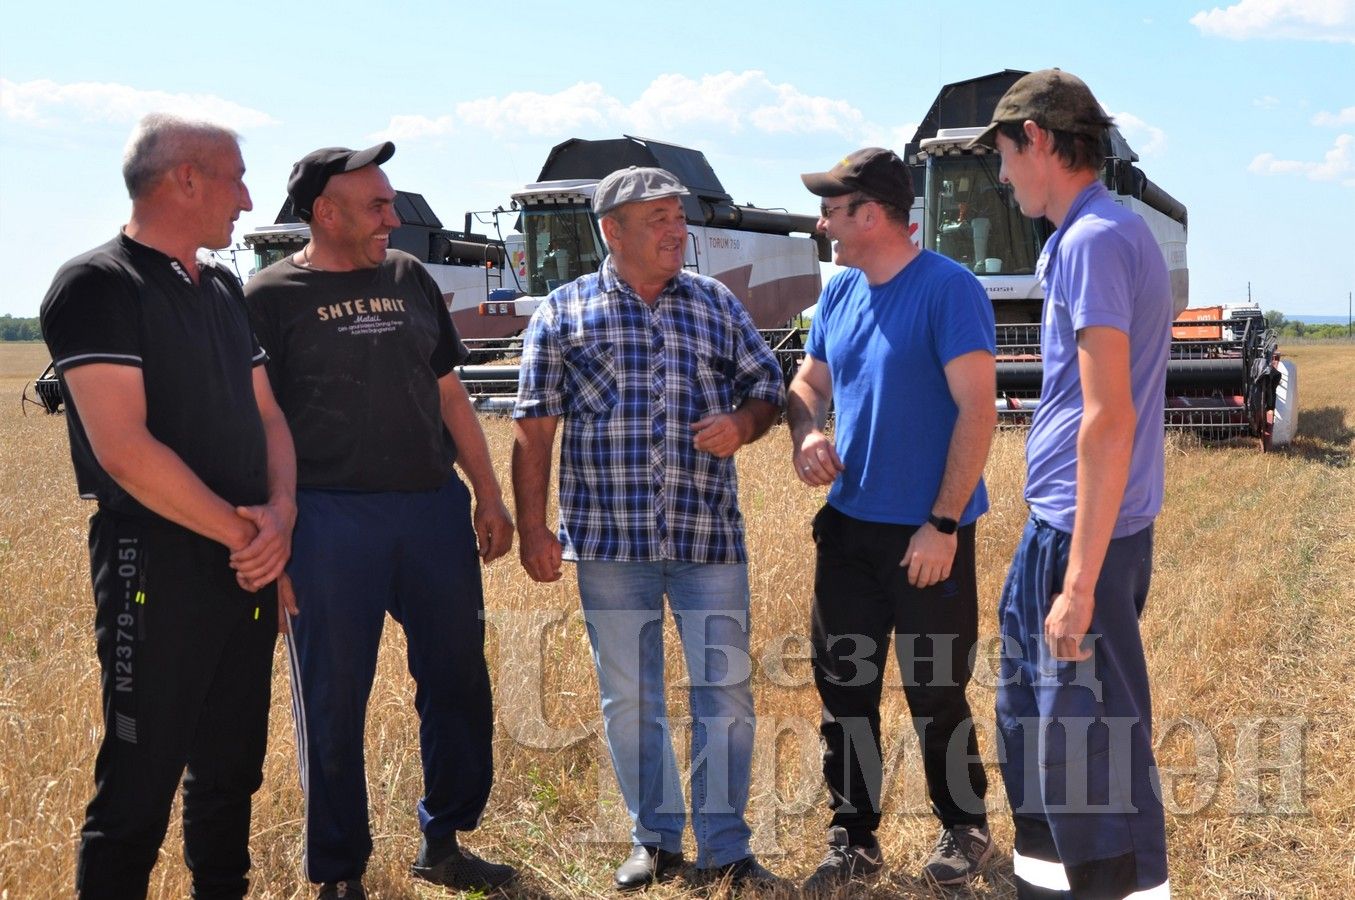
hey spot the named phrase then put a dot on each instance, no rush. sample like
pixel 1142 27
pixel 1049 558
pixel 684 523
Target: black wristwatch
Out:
pixel 941 524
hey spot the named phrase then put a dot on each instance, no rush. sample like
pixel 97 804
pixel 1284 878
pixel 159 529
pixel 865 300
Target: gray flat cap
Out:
pixel 633 184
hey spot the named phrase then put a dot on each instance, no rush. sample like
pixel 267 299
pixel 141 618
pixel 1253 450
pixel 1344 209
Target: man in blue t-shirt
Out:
pixel 1073 702
pixel 902 345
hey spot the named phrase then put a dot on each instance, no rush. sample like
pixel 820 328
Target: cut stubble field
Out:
pixel 1248 630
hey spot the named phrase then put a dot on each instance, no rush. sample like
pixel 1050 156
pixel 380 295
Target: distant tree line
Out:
pixel 12 329
pixel 15 329
pixel 1291 328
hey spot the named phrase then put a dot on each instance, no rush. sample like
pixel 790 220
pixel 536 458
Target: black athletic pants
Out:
pixel 186 658
pixel 861 598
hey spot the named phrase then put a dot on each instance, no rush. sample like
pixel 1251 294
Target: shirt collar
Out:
pixel 1078 207
pixel 610 282
pixel 132 245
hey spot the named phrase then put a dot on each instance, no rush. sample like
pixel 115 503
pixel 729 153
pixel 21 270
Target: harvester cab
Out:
pixel 1227 383
pixel 768 258
pixel 561 237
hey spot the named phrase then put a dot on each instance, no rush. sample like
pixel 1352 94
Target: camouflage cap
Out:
pixel 1051 98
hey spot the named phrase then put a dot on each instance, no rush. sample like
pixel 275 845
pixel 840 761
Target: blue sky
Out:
pixel 1244 111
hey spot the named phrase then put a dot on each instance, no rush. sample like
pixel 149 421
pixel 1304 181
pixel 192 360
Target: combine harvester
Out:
pixel 1225 378
pixel 753 251
pixel 470 268
pixel 768 258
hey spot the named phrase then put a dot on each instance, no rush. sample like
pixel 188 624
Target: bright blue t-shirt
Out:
pixel 886 348
pixel 1103 267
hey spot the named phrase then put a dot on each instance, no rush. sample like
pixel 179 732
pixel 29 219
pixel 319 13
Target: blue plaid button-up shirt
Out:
pixel 629 380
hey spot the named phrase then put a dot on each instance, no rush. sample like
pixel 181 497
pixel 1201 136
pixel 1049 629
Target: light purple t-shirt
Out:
pixel 1103 267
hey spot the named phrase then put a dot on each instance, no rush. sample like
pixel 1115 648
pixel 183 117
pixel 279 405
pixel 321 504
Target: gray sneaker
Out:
pixel 960 853
pixel 845 862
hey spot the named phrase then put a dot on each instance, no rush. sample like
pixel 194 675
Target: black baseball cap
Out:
pixel 873 171
pixel 313 171
pixel 1051 98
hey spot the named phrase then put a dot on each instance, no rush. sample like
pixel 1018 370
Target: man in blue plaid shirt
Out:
pixel 660 376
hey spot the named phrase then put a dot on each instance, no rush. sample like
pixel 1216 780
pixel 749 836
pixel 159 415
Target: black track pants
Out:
pixel 186 659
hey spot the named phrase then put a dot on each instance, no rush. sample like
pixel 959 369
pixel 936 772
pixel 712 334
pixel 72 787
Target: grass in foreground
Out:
pixel 1247 628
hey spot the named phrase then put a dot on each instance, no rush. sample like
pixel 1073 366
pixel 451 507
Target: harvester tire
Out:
pixel 1286 420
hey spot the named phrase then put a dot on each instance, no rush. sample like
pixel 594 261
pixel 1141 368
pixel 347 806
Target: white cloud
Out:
pixel 1332 21
pixel 46 103
pixel 1147 140
pixel 585 105
pixel 1344 117
pixel 725 103
pixel 1338 164
pixel 413 127
pixel 741 100
pixel 1266 102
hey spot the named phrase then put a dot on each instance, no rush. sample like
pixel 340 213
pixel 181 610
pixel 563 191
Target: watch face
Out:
pixel 943 525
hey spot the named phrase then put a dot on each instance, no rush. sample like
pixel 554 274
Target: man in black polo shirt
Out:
pixel 362 351
pixel 175 432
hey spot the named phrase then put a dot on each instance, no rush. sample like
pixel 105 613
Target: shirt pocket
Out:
pixel 590 381
pixel 715 381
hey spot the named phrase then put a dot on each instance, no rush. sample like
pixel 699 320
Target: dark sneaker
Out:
pixel 646 865
pixel 845 862
pixel 960 853
pixel 442 862
pixel 744 874
pixel 342 890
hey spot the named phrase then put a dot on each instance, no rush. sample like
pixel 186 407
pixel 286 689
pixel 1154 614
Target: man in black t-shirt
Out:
pixel 175 432
pixel 362 351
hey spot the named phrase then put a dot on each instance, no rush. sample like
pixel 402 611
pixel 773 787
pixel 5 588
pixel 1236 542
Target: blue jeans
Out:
pixel 623 608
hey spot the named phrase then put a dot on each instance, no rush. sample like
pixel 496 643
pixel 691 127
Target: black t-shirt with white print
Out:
pixel 354 360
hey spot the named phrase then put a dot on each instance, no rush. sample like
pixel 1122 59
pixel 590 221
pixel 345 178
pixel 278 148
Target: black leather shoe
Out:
pixel 644 866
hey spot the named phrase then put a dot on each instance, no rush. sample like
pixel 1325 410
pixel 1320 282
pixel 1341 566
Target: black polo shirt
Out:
pixel 127 304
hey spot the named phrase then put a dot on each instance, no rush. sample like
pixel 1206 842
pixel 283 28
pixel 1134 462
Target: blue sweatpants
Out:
pixel 1076 752
pixel 355 557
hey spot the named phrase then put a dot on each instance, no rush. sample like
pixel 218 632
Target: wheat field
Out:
pixel 1249 630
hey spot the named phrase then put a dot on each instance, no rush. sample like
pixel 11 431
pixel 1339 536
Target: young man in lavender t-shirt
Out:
pixel 1073 706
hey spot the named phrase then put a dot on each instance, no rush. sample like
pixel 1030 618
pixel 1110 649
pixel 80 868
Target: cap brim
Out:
pixel 371 156
pixel 988 138
pixel 823 184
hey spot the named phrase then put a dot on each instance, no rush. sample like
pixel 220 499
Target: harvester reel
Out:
pixel 46 392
